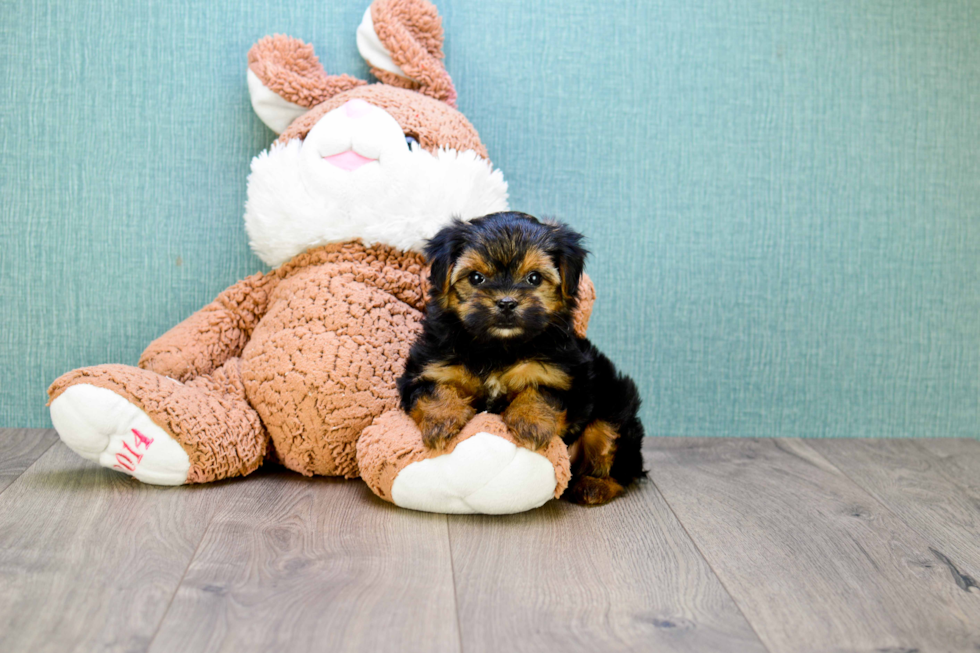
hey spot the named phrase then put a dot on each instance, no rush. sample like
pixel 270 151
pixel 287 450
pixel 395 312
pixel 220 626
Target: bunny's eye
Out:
pixel 411 141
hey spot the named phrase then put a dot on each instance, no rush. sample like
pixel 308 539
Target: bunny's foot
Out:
pixel 156 429
pixel 101 426
pixel 481 470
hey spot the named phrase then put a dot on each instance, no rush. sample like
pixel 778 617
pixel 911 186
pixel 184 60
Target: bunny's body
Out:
pixel 300 364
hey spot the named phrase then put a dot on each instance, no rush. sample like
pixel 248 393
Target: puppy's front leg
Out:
pixel 442 413
pixel 535 418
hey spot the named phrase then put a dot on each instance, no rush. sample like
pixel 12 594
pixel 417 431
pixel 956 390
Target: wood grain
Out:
pixel 814 562
pixel 90 558
pixel 908 481
pixel 958 459
pixel 620 577
pixel 315 564
pixel 853 545
pixel 19 448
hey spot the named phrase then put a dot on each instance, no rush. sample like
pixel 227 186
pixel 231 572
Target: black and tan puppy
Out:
pixel 498 336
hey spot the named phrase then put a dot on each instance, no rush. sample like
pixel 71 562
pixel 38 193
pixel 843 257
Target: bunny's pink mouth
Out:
pixel 349 160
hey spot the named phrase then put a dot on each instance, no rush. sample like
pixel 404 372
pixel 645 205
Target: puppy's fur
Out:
pixel 498 336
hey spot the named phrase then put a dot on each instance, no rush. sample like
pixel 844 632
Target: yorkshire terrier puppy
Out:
pixel 497 336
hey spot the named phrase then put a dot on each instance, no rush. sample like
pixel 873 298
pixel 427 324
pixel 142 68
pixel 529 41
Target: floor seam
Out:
pixel 452 569
pixel 180 583
pixel 707 562
pixel 930 540
pixel 36 460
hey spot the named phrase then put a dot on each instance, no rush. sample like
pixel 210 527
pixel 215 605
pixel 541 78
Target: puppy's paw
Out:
pixel 533 421
pixel 441 416
pixel 593 490
pixel 436 432
pixel 530 433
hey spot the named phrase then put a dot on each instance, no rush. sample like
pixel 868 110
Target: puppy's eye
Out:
pixel 411 141
pixel 476 278
pixel 534 279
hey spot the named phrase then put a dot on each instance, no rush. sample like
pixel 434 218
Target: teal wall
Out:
pixel 782 198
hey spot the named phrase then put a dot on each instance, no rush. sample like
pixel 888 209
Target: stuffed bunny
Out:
pixel 299 365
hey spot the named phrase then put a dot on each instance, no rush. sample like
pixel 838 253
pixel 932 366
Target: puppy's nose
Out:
pixel 507 304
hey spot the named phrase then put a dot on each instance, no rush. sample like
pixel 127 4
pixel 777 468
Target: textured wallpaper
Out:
pixel 782 199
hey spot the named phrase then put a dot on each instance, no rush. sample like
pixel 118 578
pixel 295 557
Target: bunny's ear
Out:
pixel 285 80
pixel 402 42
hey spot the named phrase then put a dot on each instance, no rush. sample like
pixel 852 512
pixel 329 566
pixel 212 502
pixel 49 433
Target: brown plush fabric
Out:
pixel 212 335
pixel 307 355
pixel 288 67
pixel 209 417
pixel 433 123
pixel 323 361
pixel 586 300
pixel 394 441
pixel 411 31
pixel 419 20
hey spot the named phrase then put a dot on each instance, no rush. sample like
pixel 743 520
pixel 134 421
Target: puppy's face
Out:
pixel 507 276
pixel 513 295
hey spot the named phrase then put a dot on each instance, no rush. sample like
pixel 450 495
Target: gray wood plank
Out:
pixel 813 561
pixel 620 577
pixel 90 558
pixel 959 460
pixel 315 564
pixel 19 448
pixel 907 480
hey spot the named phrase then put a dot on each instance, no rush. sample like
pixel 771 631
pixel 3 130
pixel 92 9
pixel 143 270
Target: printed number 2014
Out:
pixel 123 461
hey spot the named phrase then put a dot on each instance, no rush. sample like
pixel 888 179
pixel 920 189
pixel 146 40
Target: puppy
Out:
pixel 497 336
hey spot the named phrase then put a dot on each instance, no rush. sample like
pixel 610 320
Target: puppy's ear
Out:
pixel 571 257
pixel 442 250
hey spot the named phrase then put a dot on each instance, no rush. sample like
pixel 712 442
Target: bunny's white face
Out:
pixel 350 138
pixel 357 176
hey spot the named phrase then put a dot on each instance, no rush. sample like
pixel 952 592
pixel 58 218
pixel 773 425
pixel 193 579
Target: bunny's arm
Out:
pixel 212 335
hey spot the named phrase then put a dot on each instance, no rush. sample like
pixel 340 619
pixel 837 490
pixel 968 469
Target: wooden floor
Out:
pixel 732 545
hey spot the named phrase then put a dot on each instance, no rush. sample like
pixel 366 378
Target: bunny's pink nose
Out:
pixel 357 108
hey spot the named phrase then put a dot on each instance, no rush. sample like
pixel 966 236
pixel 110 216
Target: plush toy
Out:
pixel 299 365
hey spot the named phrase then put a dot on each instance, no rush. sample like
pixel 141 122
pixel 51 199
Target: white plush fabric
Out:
pixel 271 108
pixel 101 426
pixel 371 48
pixel 297 200
pixel 484 474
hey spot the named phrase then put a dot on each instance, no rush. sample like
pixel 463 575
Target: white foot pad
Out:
pixel 101 426
pixel 484 474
